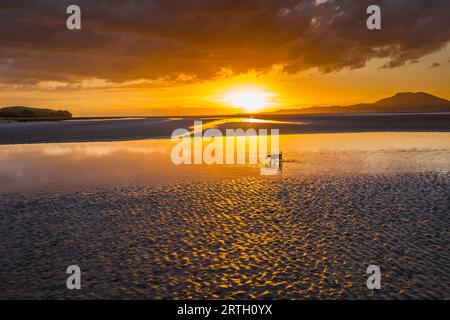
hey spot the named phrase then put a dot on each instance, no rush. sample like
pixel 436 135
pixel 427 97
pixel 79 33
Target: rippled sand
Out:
pixel 294 238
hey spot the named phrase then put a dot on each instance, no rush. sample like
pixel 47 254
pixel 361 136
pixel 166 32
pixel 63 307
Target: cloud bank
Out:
pixel 149 40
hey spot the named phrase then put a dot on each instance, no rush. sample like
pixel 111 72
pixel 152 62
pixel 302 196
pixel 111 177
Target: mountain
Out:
pixel 28 112
pixel 413 100
pixel 401 102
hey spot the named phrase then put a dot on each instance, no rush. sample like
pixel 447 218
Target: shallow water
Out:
pixel 140 227
pixel 80 165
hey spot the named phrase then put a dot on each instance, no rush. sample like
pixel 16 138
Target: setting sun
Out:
pixel 250 101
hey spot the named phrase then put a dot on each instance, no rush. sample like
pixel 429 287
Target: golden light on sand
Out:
pixel 249 101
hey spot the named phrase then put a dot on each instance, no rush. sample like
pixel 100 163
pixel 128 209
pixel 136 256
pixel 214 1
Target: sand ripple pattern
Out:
pixel 293 238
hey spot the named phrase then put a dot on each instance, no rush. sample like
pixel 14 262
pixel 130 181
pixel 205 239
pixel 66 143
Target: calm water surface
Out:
pixel 63 166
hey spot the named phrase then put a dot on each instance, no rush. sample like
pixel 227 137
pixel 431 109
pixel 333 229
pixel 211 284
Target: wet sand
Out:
pixel 135 129
pixel 141 228
pixel 293 238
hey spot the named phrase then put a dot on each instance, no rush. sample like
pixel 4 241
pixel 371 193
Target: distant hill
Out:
pixel 419 100
pixel 401 102
pixel 28 112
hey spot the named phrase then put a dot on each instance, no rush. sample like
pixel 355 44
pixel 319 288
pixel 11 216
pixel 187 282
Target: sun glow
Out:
pixel 250 101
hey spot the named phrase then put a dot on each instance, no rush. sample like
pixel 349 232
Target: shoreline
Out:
pixel 132 129
pixel 130 139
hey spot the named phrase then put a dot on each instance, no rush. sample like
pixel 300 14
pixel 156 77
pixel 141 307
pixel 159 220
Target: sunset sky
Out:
pixel 189 57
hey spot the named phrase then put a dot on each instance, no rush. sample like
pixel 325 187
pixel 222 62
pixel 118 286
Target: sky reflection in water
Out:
pixel 83 165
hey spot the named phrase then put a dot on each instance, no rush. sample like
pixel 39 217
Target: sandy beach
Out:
pixel 240 238
pixel 141 228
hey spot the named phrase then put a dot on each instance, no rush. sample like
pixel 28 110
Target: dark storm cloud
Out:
pixel 131 39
